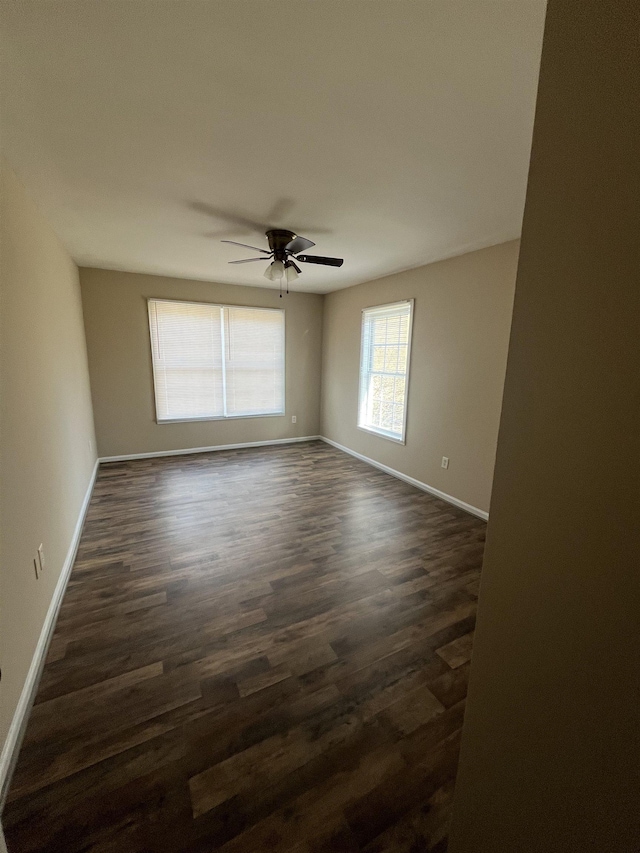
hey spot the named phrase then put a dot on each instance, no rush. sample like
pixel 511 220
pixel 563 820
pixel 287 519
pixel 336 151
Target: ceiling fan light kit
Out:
pixel 284 249
pixel 275 271
pixel 292 272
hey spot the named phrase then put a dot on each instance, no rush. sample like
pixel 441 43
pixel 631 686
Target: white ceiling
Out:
pixel 393 133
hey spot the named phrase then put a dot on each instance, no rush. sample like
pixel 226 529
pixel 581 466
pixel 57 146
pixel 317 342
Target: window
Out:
pixel 384 369
pixel 215 361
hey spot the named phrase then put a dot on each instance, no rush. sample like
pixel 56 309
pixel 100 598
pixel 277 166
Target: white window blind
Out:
pixel 215 361
pixel 384 369
pixel 254 360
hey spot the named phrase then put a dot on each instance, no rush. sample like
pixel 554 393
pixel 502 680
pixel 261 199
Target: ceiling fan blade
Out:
pixel 298 244
pixel 247 260
pixel 318 259
pixel 255 248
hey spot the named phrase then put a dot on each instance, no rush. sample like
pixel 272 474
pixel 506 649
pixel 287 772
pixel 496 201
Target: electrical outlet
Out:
pixel 41 557
pixel 445 462
pixel 294 419
pixel 35 567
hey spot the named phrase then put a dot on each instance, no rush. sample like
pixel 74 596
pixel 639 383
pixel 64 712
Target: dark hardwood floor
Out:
pixel 258 650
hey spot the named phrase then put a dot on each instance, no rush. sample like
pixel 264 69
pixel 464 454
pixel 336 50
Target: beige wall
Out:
pixel 46 426
pixel 550 757
pixel 461 322
pixel 117 328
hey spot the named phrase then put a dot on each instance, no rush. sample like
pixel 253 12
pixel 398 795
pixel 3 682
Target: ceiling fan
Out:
pixel 284 249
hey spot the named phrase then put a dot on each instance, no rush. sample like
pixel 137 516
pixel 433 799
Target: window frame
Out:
pixel 373 430
pixel 161 421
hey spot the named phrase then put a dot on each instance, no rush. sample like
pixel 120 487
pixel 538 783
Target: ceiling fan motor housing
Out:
pixel 278 240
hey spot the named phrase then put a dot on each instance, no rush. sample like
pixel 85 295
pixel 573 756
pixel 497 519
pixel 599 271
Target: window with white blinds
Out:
pixel 216 361
pixel 384 369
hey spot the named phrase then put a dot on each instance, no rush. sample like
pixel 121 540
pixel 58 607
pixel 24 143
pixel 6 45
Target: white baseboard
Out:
pixel 188 450
pixel 480 513
pixel 18 724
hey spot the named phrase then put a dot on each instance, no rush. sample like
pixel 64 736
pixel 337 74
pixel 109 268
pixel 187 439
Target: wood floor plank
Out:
pixel 259 649
pixel 458 651
pixel 414 709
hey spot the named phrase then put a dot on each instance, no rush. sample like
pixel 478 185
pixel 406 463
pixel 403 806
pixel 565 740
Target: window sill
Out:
pixel 219 418
pixel 389 437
